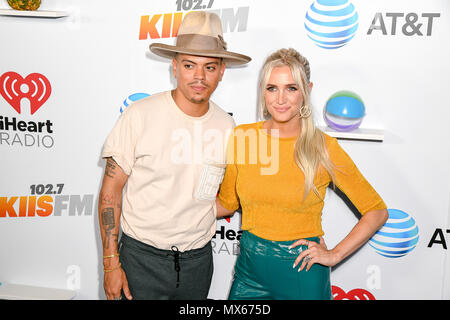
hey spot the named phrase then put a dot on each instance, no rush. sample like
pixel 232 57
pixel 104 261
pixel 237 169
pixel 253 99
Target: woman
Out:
pixel 282 254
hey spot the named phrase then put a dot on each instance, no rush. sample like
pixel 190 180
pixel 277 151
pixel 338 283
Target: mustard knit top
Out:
pixel 271 194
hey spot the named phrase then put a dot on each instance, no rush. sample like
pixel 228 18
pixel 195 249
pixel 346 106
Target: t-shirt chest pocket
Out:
pixel 210 178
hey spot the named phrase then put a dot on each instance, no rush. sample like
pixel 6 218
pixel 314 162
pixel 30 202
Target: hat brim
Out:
pixel 168 51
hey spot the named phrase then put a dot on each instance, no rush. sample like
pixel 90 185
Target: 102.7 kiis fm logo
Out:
pixel 22 132
pixel 166 25
pixel 45 200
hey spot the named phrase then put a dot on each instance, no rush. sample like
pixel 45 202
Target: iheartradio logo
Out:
pixel 355 294
pixel 35 87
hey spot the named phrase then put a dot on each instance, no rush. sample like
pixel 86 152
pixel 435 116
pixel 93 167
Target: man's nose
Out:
pixel 199 73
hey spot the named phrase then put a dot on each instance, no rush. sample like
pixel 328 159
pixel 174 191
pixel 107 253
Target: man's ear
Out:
pixel 174 66
pixel 222 70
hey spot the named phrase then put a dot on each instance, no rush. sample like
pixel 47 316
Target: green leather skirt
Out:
pixel 264 271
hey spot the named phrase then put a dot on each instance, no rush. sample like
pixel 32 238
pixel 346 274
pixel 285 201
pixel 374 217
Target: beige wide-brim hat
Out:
pixel 200 34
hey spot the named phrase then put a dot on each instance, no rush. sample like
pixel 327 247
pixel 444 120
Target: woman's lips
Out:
pixel 281 110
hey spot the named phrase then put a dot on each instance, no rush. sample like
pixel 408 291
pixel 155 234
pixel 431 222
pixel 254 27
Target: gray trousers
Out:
pixel 155 274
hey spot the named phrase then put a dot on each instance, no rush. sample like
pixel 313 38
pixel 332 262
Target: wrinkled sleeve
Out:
pixel 227 193
pixel 351 182
pixel 121 142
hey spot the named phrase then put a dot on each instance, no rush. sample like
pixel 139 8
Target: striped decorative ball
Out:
pixel 344 111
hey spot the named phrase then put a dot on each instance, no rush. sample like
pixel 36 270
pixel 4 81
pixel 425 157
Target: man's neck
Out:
pixel 190 108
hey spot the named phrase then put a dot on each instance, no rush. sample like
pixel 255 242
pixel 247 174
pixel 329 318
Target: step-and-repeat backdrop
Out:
pixel 65 81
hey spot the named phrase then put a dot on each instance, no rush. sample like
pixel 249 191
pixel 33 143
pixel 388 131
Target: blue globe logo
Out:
pixel 331 23
pixel 397 237
pixel 132 98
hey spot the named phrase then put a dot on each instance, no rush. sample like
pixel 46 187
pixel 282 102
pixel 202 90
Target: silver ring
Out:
pixel 307 242
pixel 307 259
pixel 119 298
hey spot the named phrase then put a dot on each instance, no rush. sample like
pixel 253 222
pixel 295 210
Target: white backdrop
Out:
pixel 98 56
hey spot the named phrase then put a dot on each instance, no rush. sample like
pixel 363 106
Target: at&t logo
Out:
pixel 132 98
pixel 397 237
pixel 331 24
pixel 410 24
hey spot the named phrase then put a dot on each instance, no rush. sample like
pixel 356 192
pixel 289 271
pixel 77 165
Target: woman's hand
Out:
pixel 370 222
pixel 316 253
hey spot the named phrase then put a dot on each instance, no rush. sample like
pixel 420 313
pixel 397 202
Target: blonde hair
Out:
pixel 310 148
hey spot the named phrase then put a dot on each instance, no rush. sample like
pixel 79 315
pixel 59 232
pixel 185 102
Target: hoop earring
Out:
pixel 304 111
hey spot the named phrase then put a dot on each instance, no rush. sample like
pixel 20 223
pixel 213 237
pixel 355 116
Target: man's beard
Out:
pixel 197 100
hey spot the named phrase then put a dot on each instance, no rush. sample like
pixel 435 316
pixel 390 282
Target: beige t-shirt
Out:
pixel 175 165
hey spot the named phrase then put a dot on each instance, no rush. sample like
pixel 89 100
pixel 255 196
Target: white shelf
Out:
pixel 11 291
pixel 357 134
pixel 33 14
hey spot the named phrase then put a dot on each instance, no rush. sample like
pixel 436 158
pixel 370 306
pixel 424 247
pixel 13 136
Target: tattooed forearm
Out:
pixel 108 219
pixel 107 199
pixel 110 205
pixel 110 169
pixel 108 225
pixel 108 237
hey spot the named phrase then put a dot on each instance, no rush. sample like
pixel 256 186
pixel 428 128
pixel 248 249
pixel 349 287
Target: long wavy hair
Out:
pixel 310 148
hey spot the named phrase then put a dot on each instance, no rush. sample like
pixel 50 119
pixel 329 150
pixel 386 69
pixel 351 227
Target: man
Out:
pixel 163 150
